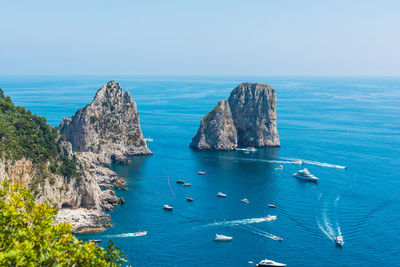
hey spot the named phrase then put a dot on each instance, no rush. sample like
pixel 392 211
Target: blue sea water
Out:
pixel 327 122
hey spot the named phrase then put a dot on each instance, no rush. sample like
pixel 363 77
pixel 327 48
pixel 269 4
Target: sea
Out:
pixel 345 131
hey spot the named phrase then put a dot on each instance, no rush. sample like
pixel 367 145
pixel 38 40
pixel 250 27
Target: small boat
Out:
pixel 95 240
pixel 270 218
pixel 201 173
pixel 180 182
pixel 250 262
pixel 280 167
pixel 277 238
pixel 219 194
pixel 270 263
pixel 148 140
pixel 272 205
pixel 305 175
pixel 187 184
pixel 339 241
pixel 168 207
pixel 222 238
pixel 297 161
pixel 251 149
pixel 189 199
pixel 140 233
pixel 245 200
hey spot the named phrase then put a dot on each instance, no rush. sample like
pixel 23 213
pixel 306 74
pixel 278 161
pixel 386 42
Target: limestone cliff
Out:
pixel 108 127
pixel 246 119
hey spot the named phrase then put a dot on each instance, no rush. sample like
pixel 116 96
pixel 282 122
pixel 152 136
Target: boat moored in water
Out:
pixel 305 175
pixel 187 184
pixel 189 199
pixel 168 207
pixel 180 182
pixel 222 238
pixel 270 263
pixel 219 194
pixel 201 173
pixel 245 200
pixel 272 205
pixel 339 241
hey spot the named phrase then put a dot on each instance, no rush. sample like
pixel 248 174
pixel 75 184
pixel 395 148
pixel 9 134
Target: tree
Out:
pixel 29 236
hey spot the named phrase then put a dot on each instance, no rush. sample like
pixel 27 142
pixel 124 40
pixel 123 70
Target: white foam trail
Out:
pixel 336 200
pixel 260 232
pixel 243 221
pixel 323 230
pixel 311 162
pixel 122 235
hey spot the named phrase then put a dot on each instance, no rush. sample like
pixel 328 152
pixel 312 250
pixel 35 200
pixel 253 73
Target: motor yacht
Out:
pixel 269 263
pixel 219 194
pixel 168 207
pixel 339 241
pixel 305 175
pixel 222 238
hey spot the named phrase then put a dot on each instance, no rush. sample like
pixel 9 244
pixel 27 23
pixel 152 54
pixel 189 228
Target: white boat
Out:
pixel 245 200
pixel 201 173
pixel 140 233
pixel 219 194
pixel 305 175
pixel 272 205
pixel 269 263
pixel 187 184
pixel 270 218
pixel 297 161
pixel 168 207
pixel 148 140
pixel 222 238
pixel 277 238
pixel 339 241
pixel 251 149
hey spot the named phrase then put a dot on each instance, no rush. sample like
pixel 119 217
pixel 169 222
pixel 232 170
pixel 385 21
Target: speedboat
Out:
pixel 219 194
pixel 140 233
pixel 180 182
pixel 251 149
pixel 277 238
pixel 201 173
pixel 269 263
pixel 270 218
pixel 222 238
pixel 187 184
pixel 245 200
pixel 189 199
pixel 339 241
pixel 148 140
pixel 272 205
pixel 95 240
pixel 305 175
pixel 297 161
pixel 168 207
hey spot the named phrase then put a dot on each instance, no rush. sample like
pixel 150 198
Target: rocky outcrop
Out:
pixel 246 119
pixel 108 127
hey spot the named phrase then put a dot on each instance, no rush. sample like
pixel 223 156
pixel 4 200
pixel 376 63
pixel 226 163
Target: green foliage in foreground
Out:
pixel 23 134
pixel 29 237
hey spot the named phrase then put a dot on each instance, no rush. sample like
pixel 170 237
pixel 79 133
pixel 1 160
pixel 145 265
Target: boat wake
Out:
pixel 311 162
pixel 125 235
pixel 325 225
pixel 243 221
pixel 260 232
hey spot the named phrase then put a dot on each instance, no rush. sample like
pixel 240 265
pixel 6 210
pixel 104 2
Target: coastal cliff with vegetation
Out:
pixel 66 169
pixel 247 119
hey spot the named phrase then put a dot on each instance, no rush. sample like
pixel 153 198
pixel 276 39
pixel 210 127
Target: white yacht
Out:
pixel 245 200
pixel 305 175
pixel 219 194
pixel 222 238
pixel 168 207
pixel 339 241
pixel 269 263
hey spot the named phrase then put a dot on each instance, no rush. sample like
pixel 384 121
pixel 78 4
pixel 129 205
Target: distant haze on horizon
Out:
pixel 177 37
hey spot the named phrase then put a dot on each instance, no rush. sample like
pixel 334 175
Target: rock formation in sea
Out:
pixel 108 127
pixel 70 174
pixel 246 119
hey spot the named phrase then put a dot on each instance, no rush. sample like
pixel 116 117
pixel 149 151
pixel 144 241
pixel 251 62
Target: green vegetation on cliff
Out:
pixel 23 134
pixel 29 237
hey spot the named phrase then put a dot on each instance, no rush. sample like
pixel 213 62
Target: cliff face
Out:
pixel 109 127
pixel 246 119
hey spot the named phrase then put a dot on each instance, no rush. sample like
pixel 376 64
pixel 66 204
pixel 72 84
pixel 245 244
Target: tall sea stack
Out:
pixel 246 119
pixel 108 127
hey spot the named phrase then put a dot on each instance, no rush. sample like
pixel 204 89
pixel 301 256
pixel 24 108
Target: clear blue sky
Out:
pixel 207 37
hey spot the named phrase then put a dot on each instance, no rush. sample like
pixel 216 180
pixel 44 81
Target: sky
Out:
pixel 207 37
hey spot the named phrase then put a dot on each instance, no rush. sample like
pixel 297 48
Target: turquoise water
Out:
pixel 327 122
